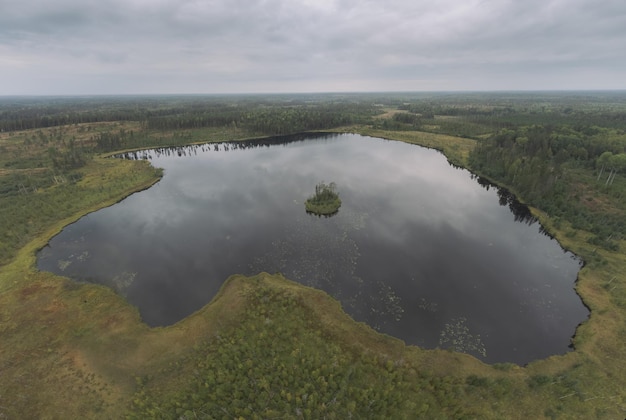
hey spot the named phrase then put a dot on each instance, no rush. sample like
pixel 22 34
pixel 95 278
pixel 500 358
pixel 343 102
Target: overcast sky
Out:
pixel 72 47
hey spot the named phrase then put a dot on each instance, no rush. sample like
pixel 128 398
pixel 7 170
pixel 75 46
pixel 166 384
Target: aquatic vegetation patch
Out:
pixel 456 336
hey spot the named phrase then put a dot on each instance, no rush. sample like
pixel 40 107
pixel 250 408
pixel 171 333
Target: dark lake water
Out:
pixel 418 250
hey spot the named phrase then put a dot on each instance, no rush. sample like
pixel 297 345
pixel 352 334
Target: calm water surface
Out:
pixel 419 250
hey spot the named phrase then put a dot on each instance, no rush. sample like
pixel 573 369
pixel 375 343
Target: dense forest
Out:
pixel 268 348
pixel 267 115
pixel 547 164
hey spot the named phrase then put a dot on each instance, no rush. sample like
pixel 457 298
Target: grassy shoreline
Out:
pixel 79 349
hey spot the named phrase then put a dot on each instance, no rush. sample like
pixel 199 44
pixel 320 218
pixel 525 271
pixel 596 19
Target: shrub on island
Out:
pixel 325 202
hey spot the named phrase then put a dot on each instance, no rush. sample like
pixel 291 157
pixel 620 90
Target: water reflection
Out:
pixel 194 149
pixel 420 250
pixel 520 211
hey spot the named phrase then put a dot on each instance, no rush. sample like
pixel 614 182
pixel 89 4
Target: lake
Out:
pixel 419 249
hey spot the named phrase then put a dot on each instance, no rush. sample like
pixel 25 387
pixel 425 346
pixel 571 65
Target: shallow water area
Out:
pixel 419 250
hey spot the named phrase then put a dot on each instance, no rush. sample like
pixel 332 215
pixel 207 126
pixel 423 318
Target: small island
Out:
pixel 325 202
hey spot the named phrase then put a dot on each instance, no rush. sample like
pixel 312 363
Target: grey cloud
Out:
pixel 310 44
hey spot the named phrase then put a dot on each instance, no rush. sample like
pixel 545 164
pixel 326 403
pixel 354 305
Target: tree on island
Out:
pixel 325 202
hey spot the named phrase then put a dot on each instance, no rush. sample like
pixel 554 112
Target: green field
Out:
pixel 266 347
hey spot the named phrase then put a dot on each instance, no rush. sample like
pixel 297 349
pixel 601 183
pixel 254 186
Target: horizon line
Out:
pixel 469 91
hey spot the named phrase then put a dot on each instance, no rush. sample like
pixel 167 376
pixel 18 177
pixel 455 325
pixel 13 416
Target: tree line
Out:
pixel 273 115
pixel 549 167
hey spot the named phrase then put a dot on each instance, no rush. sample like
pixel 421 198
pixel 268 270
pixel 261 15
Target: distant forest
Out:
pixel 272 115
pixel 283 114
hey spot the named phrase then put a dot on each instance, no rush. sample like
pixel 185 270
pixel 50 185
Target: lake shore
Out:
pixel 79 348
